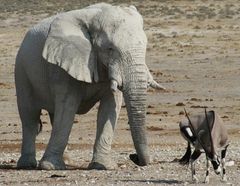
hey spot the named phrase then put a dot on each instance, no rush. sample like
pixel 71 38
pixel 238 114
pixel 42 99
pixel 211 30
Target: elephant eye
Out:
pixel 110 50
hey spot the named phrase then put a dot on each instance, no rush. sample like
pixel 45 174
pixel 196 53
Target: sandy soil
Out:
pixel 193 50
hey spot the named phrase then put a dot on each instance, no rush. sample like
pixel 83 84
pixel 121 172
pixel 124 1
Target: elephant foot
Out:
pixel 97 166
pixel 101 166
pixel 27 162
pixel 48 163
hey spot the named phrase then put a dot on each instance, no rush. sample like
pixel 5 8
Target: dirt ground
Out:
pixel 193 50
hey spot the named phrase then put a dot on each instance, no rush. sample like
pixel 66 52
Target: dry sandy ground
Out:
pixel 194 50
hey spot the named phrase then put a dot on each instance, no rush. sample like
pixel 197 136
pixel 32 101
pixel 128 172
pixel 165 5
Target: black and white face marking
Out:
pixel 216 165
pixel 187 132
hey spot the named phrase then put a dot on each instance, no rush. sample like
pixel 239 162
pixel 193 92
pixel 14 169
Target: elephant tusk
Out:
pixel 156 85
pixel 114 85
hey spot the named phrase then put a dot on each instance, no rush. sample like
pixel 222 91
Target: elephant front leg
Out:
pixel 108 112
pixel 65 110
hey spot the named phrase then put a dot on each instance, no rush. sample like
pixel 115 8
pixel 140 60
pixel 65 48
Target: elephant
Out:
pixel 66 64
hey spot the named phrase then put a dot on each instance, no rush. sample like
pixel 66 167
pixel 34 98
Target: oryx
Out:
pixel 206 133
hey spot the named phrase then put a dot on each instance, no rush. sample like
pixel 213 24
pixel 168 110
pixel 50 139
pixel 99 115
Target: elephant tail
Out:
pixel 40 126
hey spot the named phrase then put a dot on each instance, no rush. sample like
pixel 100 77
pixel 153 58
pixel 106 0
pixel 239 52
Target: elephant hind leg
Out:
pixel 30 129
pixel 30 118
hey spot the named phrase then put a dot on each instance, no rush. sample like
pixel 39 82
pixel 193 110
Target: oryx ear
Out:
pixel 68 45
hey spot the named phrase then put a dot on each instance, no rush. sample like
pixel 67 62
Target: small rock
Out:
pixel 13 161
pixel 57 176
pixel 229 163
pixel 195 99
pixel 181 113
pixel 122 165
pixel 224 116
pixel 151 106
pixel 180 104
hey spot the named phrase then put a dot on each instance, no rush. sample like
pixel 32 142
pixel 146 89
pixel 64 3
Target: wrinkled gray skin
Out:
pixel 69 62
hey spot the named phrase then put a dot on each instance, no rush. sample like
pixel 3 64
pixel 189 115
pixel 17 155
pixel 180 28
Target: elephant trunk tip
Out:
pixel 137 161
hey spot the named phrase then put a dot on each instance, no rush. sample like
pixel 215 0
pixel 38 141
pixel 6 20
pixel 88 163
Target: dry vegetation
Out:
pixel 193 50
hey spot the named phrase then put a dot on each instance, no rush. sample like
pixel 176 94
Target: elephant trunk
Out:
pixel 134 92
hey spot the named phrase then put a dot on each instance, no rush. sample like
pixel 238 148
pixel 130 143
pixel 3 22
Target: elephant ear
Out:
pixel 68 46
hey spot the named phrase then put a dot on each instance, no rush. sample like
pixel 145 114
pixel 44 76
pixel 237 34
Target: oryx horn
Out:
pixel 209 129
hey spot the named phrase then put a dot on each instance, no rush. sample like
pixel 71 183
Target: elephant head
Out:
pixel 106 43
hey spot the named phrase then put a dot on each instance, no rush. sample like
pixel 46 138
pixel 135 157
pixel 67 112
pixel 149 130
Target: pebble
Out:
pixel 229 163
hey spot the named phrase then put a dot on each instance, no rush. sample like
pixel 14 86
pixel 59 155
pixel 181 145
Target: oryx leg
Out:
pixel 195 155
pixel 207 170
pixel 186 157
pixel 223 155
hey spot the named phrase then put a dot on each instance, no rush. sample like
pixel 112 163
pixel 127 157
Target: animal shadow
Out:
pixel 10 166
pixel 153 181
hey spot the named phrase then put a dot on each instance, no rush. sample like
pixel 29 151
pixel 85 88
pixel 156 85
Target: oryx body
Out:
pixel 206 133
